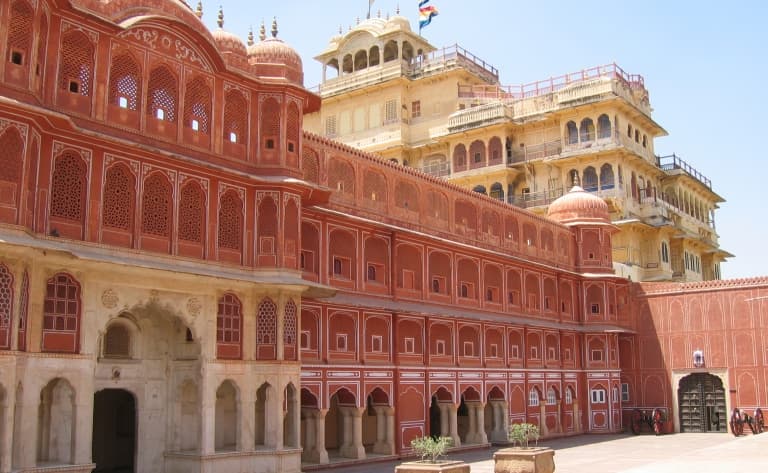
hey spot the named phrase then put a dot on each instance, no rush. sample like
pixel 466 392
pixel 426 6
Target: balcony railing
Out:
pixel 673 163
pixel 533 152
pixel 437 169
pixel 452 56
pixel 535 199
pixel 553 84
pixel 478 116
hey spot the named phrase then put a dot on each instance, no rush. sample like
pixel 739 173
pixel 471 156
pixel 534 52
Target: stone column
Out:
pixel 381 430
pixel 278 414
pixel 6 442
pixel 308 430
pixel 83 421
pixel 356 416
pixel 391 429
pixel 385 431
pixel 25 428
pixel 576 417
pixel 320 451
pixel 207 414
pixel 482 437
pixel 543 419
pixel 471 436
pixel 445 420
pixel 453 425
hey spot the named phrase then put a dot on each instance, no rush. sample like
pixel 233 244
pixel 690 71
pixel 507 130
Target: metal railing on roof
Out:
pixel 673 162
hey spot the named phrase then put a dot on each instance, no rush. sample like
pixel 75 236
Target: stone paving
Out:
pixel 678 453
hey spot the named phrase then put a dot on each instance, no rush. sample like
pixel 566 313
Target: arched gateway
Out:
pixel 701 398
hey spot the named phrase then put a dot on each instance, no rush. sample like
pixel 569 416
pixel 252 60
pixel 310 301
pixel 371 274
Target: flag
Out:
pixel 426 13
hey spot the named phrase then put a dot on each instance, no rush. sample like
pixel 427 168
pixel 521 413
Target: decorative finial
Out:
pixel 220 20
pixel 250 36
pixel 340 29
pixel 262 32
pixel 575 178
pixel 199 9
pixel 358 20
pixel 397 11
pixel 387 16
pixel 378 14
pixel 274 27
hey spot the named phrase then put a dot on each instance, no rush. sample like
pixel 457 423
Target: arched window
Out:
pixel 390 51
pixel 42 45
pixel 460 157
pixel 162 94
pixel 76 64
pixel 11 164
pixel 266 330
pixel 125 83
pixel 587 130
pixel 373 56
pixel 664 252
pixel 270 125
pixel 61 315
pixel 310 165
pixel 68 187
pixel 235 118
pixel 477 153
pixel 229 326
pixel 497 191
pixel 603 126
pixel 23 312
pixel 289 331
pixel 20 33
pixel 117 341
pixel 572 132
pixel 533 397
pixel 156 206
pixel 407 51
pixel 231 221
pixel 192 213
pixel 589 182
pixel 361 60
pixel 293 129
pixel 347 64
pixel 6 306
pixel 568 396
pixel 119 198
pixel 551 396
pixel 606 176
pixel 479 189
pixel 197 106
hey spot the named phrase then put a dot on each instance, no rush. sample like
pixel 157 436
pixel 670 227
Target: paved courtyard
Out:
pixel 679 453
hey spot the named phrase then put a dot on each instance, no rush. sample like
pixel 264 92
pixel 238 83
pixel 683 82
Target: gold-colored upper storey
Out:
pixel 444 111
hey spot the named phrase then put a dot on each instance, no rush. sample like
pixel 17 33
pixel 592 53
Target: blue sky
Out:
pixel 705 66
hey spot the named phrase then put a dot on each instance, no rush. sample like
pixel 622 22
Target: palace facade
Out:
pixel 190 282
pixel 444 111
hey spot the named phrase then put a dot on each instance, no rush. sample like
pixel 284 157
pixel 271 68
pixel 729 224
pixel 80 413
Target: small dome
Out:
pixel 227 42
pixel 272 57
pixel 399 22
pixel 579 206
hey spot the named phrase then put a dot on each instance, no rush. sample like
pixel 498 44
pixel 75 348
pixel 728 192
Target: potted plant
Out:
pixel 432 451
pixel 521 457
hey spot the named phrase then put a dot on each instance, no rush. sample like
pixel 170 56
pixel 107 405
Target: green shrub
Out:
pixel 431 448
pixel 521 434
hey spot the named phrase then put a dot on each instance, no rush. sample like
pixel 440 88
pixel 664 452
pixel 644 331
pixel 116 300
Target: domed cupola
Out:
pixel 579 207
pixel 273 58
pixel 226 42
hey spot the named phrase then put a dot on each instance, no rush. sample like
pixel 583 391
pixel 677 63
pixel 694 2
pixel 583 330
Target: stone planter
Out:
pixel 445 466
pixel 524 460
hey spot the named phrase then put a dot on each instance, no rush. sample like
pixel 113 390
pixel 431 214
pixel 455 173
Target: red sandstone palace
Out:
pixel 188 282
